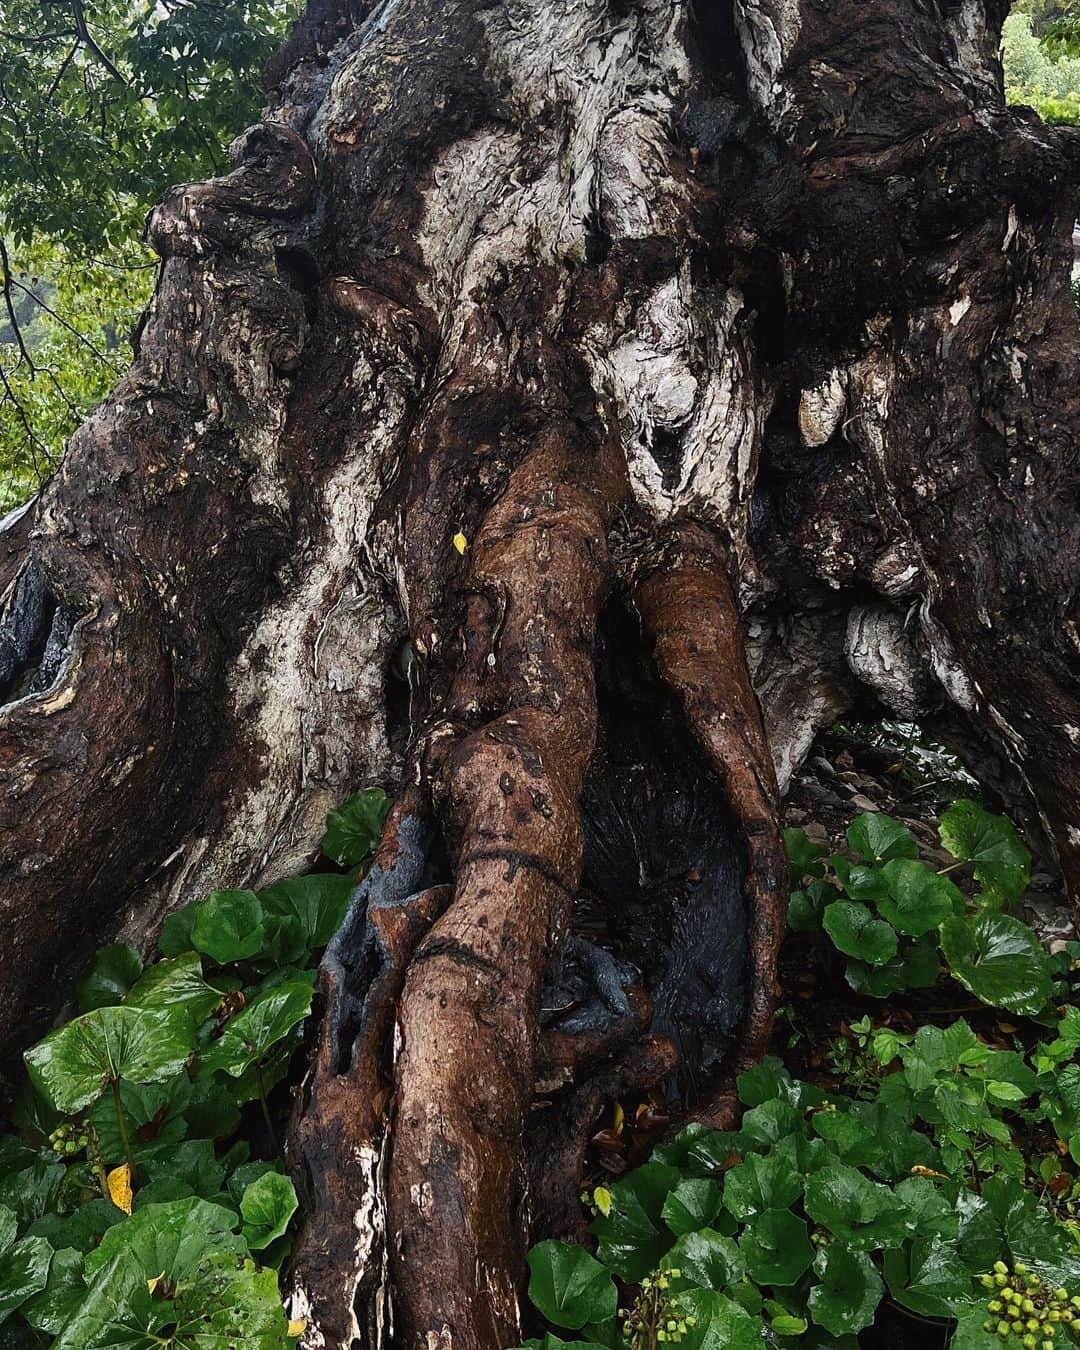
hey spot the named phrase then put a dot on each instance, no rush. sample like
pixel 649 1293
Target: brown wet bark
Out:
pixel 559 414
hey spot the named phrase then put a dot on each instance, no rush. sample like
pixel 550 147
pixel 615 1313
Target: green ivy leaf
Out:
pixel 24 1265
pixel 849 1291
pixel 806 907
pixel 758 1184
pixel 917 900
pixel 803 855
pixel 266 1208
pixel 176 982
pixel 169 1239
pixel 108 1304
pixel 74 1064
pixel 111 974
pixel 569 1287
pixel 776 1248
pixel 876 837
pixel 175 935
pixel 973 834
pixel 352 831
pixel 250 1035
pixel 720 1323
pixel 999 959
pixel 318 901
pixel 64 1290
pixel 856 932
pixel 153 1113
pixel 633 1237
pixel 693 1204
pixel 861 1213
pixel 227 926
pixel 927 1276
pixel 705 1260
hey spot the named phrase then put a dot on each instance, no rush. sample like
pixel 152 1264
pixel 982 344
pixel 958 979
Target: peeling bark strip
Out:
pixel 736 340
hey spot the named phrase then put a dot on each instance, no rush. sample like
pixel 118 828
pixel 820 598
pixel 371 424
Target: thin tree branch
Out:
pixel 7 280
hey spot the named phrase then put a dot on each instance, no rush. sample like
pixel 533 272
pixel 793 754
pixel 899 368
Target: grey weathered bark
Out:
pixel 737 342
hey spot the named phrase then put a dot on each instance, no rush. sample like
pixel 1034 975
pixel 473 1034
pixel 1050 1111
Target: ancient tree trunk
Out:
pixel 561 412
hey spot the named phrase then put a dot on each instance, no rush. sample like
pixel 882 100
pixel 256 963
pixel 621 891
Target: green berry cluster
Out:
pixel 657 1316
pixel 71 1137
pixel 1022 1305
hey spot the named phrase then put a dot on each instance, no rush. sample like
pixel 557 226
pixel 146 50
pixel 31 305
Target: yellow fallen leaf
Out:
pixel 602 1200
pixel 620 1118
pixel 119 1183
pixel 460 542
pixel 297 1326
pixel 919 1171
pixel 151 1285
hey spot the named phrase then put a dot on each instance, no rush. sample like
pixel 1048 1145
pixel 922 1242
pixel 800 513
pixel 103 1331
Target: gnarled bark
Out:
pixel 562 411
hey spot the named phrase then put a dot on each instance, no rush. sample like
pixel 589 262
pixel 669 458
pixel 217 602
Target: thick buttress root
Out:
pixel 414 1156
pixel 689 611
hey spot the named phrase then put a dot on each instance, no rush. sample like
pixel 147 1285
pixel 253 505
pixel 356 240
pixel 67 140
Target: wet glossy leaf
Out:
pixel 75 1064
pixel 693 1204
pixel 266 1208
pixel 250 1035
pixel 975 835
pixel 569 1286
pixel 634 1236
pixel 856 932
pixel 758 1184
pixel 318 901
pixel 352 831
pixel 111 974
pixel 999 959
pixel 849 1291
pixel 169 1239
pixel 705 1259
pixel 227 926
pixel 804 857
pixel 807 907
pixel 721 1324
pixel 776 1247
pixel 176 982
pixel 876 837
pixel 861 1213
pixel 64 1290
pixel 917 900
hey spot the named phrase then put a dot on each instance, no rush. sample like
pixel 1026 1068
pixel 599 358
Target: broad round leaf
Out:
pixel 319 901
pixel 64 1290
pixel 112 973
pixel 693 1204
pixel 804 856
pixel 760 1183
pixel 877 837
pixel 24 1271
pixel 706 1260
pixel 806 907
pixel 228 926
pixel 720 1324
pixel 856 932
pixel 633 1236
pixel 861 1213
pixel 568 1286
pixel 352 831
pixel 169 1239
pixel 973 834
pixel 917 900
pixel 1000 960
pixel 776 1248
pixel 251 1034
pixel 850 1290
pixel 176 982
pixel 74 1064
pixel 266 1208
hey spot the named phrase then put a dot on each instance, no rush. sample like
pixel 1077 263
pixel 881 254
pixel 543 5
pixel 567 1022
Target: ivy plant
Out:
pixel 894 917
